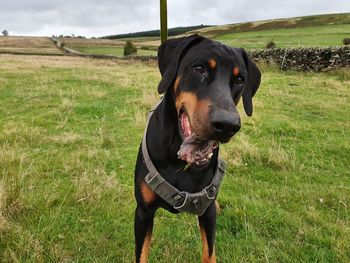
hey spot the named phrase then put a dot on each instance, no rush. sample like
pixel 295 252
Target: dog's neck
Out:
pixel 163 138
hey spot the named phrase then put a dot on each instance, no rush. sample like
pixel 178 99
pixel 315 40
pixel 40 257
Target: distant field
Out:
pixel 309 31
pixel 111 47
pixel 330 35
pixel 70 129
pixel 273 24
pixel 115 51
pixel 28 45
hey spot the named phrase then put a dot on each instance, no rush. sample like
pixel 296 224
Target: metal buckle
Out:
pixel 184 202
pixel 209 190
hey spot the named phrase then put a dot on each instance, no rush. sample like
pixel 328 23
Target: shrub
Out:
pixel 271 44
pixel 129 49
pixel 346 41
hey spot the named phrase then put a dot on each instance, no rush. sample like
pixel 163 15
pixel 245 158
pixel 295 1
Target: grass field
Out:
pixel 28 45
pixel 115 51
pixel 69 134
pixel 318 36
pixel 308 31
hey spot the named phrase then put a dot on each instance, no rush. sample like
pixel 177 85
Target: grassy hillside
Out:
pixel 317 36
pixel 28 45
pixel 111 46
pixel 309 31
pixel 284 23
pixel 70 129
pixel 155 33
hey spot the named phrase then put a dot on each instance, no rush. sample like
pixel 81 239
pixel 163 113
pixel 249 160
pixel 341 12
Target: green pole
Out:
pixel 163 21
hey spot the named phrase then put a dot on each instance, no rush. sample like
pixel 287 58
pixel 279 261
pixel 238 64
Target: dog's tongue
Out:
pixel 195 150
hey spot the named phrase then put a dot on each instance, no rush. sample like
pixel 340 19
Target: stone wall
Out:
pixel 305 59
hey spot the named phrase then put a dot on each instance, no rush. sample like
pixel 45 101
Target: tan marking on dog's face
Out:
pixel 206 258
pixel 177 83
pixel 145 248
pixel 212 63
pixel 148 195
pixel 196 110
pixel 235 71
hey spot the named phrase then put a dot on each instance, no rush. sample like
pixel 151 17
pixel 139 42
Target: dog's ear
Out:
pixel 170 54
pixel 253 82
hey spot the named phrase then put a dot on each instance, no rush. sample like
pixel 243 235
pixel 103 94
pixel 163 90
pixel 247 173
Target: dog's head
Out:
pixel 207 80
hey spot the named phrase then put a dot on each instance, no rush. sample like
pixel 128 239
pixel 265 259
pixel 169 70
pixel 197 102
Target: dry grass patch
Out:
pixel 81 42
pixel 240 150
pixel 65 138
pixel 278 157
pixel 93 184
pixel 28 45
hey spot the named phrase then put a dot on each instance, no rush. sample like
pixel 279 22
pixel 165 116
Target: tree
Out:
pixel 5 33
pixel 271 44
pixel 346 41
pixel 129 48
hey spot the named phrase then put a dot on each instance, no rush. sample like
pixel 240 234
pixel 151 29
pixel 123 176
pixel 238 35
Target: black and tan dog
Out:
pixel 203 81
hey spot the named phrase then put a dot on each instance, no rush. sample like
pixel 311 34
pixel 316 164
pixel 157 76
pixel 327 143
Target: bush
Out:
pixel 271 44
pixel 129 49
pixel 346 41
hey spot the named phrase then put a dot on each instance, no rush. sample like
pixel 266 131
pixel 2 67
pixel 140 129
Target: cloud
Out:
pixel 104 17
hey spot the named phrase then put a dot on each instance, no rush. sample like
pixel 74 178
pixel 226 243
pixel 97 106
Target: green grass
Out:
pixel 320 36
pixel 70 129
pixel 115 51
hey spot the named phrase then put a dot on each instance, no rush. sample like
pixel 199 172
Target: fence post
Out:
pixel 163 21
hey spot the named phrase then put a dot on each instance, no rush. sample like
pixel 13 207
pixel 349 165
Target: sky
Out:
pixel 107 17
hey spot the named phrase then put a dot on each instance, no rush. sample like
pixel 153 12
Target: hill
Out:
pixel 28 45
pixel 155 33
pixel 273 24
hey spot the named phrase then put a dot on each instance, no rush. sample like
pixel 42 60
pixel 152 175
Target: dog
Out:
pixel 177 167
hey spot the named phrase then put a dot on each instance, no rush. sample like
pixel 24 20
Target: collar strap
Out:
pixel 195 203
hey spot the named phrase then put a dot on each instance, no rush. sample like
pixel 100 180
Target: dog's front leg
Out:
pixel 207 225
pixel 143 232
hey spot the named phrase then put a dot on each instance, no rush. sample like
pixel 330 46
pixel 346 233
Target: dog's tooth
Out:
pixel 209 155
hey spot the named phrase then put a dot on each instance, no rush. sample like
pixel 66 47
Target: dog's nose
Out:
pixel 225 123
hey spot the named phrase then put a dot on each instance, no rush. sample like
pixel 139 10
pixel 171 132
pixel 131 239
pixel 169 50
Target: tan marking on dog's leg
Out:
pixel 206 258
pixel 145 249
pixel 217 207
pixel 147 194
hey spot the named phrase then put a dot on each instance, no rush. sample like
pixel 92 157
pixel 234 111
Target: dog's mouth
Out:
pixel 194 149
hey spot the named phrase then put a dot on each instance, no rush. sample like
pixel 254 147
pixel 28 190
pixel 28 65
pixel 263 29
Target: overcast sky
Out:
pixel 105 17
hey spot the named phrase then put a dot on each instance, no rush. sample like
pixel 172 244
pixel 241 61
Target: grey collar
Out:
pixel 195 203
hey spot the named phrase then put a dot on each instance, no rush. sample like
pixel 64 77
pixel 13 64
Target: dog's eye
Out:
pixel 238 81
pixel 199 69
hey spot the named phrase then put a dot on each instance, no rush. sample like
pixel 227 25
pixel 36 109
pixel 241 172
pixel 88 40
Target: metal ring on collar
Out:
pixel 206 192
pixel 184 202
